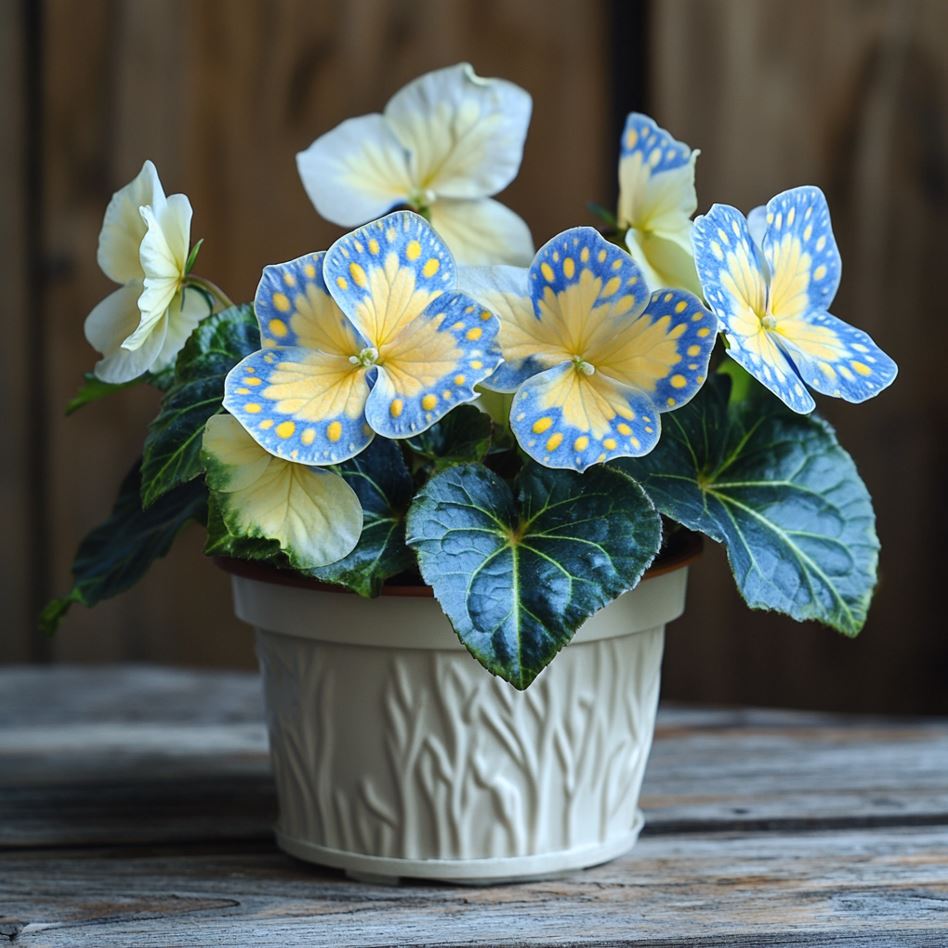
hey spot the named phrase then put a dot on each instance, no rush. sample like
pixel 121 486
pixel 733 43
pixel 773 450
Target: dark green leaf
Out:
pixel 93 389
pixel 384 487
pixel 518 577
pixel 462 436
pixel 172 453
pixel 605 215
pixel 781 494
pixel 221 542
pixel 116 554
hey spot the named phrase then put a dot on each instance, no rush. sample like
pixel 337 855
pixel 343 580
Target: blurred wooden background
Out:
pixel 851 95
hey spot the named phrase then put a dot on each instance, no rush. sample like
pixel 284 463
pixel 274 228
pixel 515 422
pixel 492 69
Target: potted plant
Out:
pixel 458 483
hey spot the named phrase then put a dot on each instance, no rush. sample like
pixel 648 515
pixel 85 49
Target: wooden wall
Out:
pixel 850 94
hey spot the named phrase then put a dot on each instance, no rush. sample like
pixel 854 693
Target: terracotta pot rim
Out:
pixel 685 549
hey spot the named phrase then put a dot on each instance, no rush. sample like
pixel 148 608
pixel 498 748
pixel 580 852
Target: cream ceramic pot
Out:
pixel 396 754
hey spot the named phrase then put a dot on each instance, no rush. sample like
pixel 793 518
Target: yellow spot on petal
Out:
pixel 819 272
pixel 309 270
pixel 670 402
pixel 289 279
pixel 474 333
pixel 476 364
pixel 827 370
pixel 667 298
pixel 431 267
pixel 704 331
pixel 250 370
pixel 635 443
pixel 554 441
pixel 681 306
pixel 807 232
pixel 334 431
pixel 447 394
pixel 252 408
pixel 342 283
pixel 413 250
pixel 611 286
pixel 373 246
pixel 547 272
pixel 609 444
pixel 277 326
pixel 285 429
pixel 486 314
pixel 358 275
pixel 861 368
pixel 631 137
pixel 694 350
pixel 429 402
pixel 542 424
pixel 308 436
pixel 266 424
pixel 250 380
pixel 624 429
pixel 569 268
pixel 459 380
pixel 678 381
pixel 584 258
pixel 243 391
pixel 697 317
pixel 601 256
pixel 282 302
pixel 395 409
pixel 581 443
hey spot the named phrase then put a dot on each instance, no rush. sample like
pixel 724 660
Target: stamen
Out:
pixel 768 322
pixel 368 356
pixel 581 365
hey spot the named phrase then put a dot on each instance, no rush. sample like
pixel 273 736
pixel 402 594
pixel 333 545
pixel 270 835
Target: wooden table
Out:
pixel 135 806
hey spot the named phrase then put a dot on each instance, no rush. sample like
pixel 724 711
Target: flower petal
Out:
pixel 110 324
pixel 834 357
pixel 314 515
pixel 294 308
pixel 801 254
pixel 656 177
pixel 355 172
pixel 187 309
pixel 524 340
pixel 385 273
pixel 301 404
pixel 163 255
pixel 666 260
pixel 464 134
pixel 432 365
pixel 123 227
pixel 664 352
pixel 566 419
pixel 582 288
pixel 482 231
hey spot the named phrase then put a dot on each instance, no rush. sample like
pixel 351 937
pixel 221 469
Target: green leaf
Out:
pixel 116 554
pixel 779 492
pixel 172 452
pixel 461 436
pixel 384 487
pixel 605 215
pixel 93 389
pixel 221 542
pixel 518 577
pixel 193 255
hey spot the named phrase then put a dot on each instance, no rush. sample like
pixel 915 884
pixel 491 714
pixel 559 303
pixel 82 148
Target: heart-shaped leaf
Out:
pixel 779 492
pixel 172 453
pixel 462 436
pixel 381 480
pixel 116 554
pixel 518 576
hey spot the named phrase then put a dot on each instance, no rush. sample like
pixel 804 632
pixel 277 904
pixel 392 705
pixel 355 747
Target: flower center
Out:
pixel 768 322
pixel 366 358
pixel 421 201
pixel 582 366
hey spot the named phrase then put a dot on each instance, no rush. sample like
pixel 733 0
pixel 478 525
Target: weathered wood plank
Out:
pixel 84 752
pixel 888 887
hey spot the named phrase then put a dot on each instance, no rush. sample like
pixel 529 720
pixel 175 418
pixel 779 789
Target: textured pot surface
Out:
pixel 396 755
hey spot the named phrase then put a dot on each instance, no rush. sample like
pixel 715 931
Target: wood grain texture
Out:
pixel 135 803
pixel 851 96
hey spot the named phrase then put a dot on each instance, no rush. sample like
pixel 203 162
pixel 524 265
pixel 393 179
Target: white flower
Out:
pixel 444 144
pixel 143 245
pixel 656 200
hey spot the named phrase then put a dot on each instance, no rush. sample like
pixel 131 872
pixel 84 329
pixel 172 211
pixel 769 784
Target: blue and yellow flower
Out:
pixel 656 200
pixel 771 283
pixel 594 358
pixel 370 337
pixel 445 143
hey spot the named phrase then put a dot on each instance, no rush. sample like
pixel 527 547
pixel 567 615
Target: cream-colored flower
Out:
pixel 445 143
pixel 143 245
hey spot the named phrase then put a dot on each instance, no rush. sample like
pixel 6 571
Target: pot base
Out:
pixel 388 871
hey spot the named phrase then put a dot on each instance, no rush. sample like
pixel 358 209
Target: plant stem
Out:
pixel 212 288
